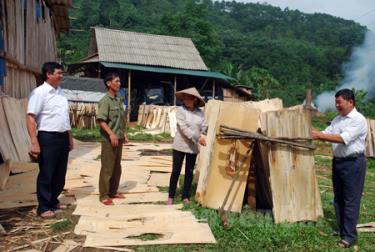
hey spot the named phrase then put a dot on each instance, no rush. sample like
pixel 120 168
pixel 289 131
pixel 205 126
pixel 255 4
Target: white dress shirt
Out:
pixel 353 130
pixel 50 108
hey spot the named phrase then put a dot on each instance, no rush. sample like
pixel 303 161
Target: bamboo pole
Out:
pixel 233 133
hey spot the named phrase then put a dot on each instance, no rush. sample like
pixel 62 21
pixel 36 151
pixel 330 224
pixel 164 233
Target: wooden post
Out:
pixel 174 90
pixel 213 89
pixel 129 96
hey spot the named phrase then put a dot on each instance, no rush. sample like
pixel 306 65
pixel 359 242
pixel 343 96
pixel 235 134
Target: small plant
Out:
pixel 61 225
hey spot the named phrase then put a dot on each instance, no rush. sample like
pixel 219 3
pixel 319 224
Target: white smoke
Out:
pixel 359 74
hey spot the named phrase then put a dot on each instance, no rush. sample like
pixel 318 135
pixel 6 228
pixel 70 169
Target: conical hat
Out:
pixel 193 92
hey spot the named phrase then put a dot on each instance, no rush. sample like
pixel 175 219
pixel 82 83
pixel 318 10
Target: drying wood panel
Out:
pixel 125 212
pixel 171 234
pixel 203 166
pixel 17 167
pixel 93 200
pixel 89 224
pixel 218 179
pixel 7 146
pixel 109 232
pixel 16 118
pixel 295 192
pixel 4 174
pixel 19 191
pixel 159 179
pixel 370 139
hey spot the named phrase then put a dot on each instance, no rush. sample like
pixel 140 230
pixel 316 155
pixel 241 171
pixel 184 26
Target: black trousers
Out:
pixel 348 176
pixel 178 158
pixel 53 161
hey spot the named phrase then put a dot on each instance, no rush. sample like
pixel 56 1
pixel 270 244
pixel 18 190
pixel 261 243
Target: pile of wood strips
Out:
pixel 83 115
pixel 157 119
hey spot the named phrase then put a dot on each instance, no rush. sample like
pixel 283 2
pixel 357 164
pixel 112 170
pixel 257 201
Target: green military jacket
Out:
pixel 111 110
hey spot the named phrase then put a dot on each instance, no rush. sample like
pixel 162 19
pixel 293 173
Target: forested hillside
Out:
pixel 278 52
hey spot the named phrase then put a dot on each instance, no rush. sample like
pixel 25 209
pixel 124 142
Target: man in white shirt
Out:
pixel 347 133
pixel 49 129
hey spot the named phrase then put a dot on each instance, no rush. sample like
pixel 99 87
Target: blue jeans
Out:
pixel 348 176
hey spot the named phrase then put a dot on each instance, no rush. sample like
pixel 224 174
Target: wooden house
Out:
pixel 28 31
pixel 152 67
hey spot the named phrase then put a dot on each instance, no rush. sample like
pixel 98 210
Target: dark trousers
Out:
pixel 53 161
pixel 178 158
pixel 348 178
pixel 110 172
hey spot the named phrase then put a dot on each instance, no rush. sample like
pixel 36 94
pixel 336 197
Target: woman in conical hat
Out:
pixel 191 130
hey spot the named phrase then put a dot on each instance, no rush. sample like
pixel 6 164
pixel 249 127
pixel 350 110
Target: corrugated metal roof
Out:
pixel 83 96
pixel 147 49
pixel 83 84
pixel 206 74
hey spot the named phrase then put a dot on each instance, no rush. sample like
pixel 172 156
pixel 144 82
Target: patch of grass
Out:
pixel 136 133
pixel 147 237
pixel 62 225
pixel 86 134
pixel 322 161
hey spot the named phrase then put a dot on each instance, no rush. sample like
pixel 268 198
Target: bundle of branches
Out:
pixel 233 133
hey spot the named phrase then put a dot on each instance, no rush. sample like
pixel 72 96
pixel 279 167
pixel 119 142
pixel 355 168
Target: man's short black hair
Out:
pixel 109 77
pixel 49 68
pixel 346 94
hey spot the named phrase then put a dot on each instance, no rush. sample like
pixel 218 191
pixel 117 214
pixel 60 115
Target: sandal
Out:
pixel 107 202
pixel 344 244
pixel 186 201
pixel 118 196
pixel 47 214
pixel 60 206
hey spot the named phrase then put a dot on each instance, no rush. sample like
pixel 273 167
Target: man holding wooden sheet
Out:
pixel 347 133
pixel 48 113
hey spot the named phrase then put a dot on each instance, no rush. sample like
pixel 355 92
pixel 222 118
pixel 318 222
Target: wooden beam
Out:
pixel 174 90
pixel 213 88
pixel 129 95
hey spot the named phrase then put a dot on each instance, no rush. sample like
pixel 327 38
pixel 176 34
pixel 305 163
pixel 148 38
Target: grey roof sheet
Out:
pixel 147 49
pixel 83 84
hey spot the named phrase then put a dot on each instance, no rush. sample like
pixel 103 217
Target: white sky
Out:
pixel 361 11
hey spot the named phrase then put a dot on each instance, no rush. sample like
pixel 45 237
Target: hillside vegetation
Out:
pixel 277 52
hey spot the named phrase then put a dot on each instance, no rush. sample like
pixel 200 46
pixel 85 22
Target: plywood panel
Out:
pixel 294 186
pixel 212 110
pixel 218 179
pixel 159 179
pixel 93 200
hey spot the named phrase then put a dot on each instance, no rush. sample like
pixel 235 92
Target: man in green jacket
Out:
pixel 111 119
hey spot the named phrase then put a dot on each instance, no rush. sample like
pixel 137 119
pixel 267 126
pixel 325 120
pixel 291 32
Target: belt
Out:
pixel 349 157
pixel 53 132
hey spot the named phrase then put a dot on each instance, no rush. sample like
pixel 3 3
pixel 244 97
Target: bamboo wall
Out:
pixel 29 42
